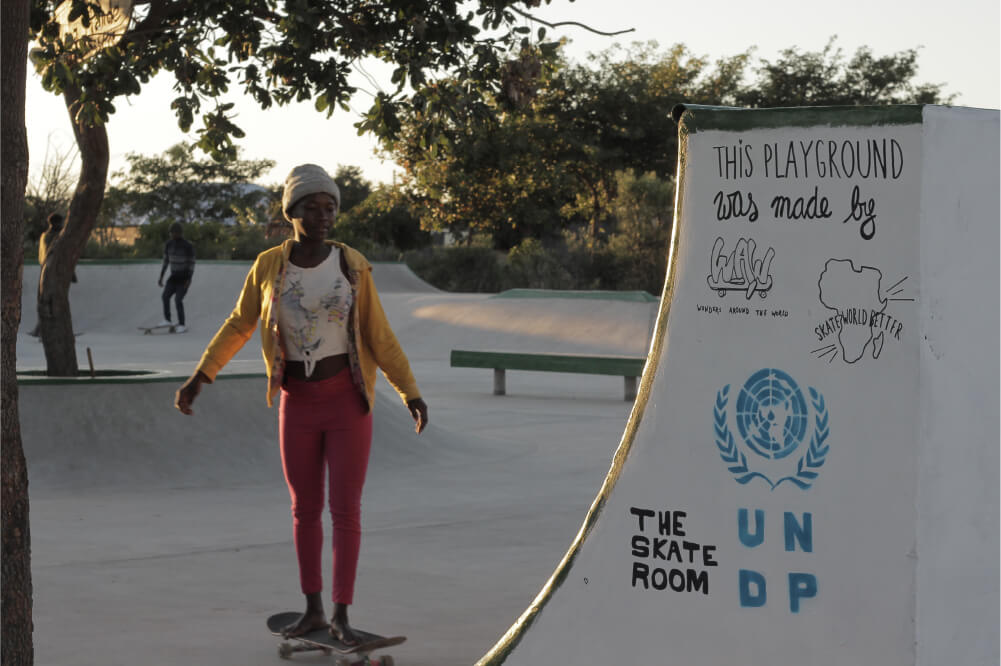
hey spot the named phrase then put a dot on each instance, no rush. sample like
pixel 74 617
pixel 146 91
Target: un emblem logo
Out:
pixel 774 422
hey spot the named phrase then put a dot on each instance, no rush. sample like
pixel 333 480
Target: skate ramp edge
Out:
pixel 397 277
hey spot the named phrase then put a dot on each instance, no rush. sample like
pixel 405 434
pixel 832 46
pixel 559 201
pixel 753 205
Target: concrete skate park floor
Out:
pixel 164 539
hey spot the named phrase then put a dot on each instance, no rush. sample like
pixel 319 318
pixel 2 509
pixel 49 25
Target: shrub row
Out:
pixel 614 264
pixel 530 265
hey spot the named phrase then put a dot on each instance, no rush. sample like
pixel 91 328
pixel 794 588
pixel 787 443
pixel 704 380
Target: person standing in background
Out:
pixel 45 242
pixel 179 254
pixel 48 237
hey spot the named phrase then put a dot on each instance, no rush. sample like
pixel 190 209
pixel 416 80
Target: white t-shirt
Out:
pixel 313 311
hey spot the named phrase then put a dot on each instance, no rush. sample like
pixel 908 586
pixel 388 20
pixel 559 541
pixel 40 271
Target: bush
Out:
pixel 212 240
pixel 463 269
pixel 619 264
pixel 374 252
pixel 593 266
pixel 30 251
pixel 531 266
pixel 245 242
pixel 112 250
pixel 379 222
pixel 642 266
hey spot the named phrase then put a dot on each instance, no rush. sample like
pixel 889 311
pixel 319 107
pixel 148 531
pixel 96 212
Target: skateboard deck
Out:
pixel 148 330
pixel 320 639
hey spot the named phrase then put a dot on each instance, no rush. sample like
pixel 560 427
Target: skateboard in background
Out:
pixel 163 328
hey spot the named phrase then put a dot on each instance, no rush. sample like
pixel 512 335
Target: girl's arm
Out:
pixel 232 335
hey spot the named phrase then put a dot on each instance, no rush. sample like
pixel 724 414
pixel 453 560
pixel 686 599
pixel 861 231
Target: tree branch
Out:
pixel 579 25
pixel 155 23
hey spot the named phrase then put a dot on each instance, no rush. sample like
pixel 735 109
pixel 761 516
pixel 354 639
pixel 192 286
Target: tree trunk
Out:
pixel 16 646
pixel 54 317
pixel 595 213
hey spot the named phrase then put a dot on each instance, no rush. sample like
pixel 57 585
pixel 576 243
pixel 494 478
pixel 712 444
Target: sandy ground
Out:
pixel 164 539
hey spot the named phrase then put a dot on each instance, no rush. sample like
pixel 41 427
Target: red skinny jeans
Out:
pixel 325 426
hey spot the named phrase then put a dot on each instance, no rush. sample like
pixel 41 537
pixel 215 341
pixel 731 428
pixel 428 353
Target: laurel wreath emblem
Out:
pixel 809 462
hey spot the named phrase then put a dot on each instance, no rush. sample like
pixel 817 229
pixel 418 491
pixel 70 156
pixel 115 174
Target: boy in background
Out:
pixel 179 254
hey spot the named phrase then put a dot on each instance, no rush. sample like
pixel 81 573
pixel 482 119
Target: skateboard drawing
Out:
pixel 741 269
pixel 321 640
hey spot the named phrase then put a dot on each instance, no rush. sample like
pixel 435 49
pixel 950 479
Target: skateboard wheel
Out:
pixel 285 651
pixel 386 661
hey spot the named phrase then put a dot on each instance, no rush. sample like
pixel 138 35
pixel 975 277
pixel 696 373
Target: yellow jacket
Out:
pixel 371 345
pixel 43 248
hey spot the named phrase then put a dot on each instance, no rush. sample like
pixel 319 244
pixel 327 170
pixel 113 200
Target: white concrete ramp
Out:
pixel 809 474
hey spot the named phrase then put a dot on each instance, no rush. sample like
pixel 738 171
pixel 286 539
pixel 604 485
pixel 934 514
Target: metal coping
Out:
pixel 697 117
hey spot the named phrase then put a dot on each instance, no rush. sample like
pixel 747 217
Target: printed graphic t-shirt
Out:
pixel 313 311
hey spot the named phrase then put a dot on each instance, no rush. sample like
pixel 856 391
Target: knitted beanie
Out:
pixel 304 180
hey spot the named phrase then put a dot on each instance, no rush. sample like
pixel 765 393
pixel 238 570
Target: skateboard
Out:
pixel 148 330
pixel 321 640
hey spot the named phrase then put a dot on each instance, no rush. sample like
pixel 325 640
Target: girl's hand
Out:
pixel 189 391
pixel 419 410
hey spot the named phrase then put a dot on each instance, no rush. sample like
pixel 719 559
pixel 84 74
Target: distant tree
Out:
pixel 15 561
pixel 642 212
pixel 504 180
pixel 551 161
pixel 278 52
pixel 825 78
pixel 644 205
pixel 384 220
pixel 179 187
pixel 354 188
pixel 50 191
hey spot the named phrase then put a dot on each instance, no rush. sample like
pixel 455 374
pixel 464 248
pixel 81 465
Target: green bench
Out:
pixel 628 367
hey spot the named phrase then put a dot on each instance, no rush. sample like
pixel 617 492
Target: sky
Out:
pixel 957 42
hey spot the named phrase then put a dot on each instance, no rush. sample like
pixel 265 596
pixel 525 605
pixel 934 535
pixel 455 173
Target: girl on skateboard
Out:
pixel 324 333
